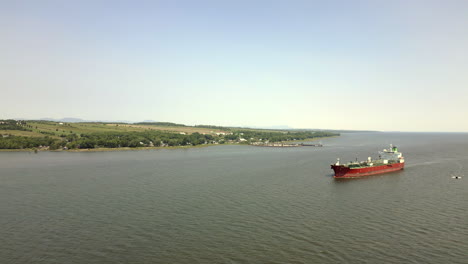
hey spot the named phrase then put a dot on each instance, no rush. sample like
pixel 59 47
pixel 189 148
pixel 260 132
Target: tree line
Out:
pixel 160 124
pixel 149 138
pixel 136 139
pixel 273 136
pixel 20 142
pixel 10 124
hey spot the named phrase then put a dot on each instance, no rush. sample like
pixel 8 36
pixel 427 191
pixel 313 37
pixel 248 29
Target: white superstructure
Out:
pixel 391 154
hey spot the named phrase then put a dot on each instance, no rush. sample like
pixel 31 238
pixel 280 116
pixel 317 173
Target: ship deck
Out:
pixel 367 165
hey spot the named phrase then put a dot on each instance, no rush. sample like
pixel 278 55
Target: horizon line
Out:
pixel 268 127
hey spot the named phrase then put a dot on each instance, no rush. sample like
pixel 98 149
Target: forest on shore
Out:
pixel 49 135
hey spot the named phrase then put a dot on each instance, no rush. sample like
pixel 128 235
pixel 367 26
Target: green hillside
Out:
pixel 49 135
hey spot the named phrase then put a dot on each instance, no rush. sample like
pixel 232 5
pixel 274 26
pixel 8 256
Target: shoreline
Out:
pixel 307 139
pixel 150 148
pixel 109 149
pixel 113 149
pixel 291 143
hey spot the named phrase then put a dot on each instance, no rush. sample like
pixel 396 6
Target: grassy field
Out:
pixel 21 133
pixel 58 129
pixel 45 135
pixel 185 129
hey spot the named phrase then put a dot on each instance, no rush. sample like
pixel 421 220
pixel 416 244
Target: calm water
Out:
pixel 237 204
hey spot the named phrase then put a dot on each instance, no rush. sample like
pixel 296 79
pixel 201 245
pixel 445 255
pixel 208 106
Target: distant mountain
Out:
pixel 44 118
pixel 149 121
pixel 280 127
pixel 72 120
pixel 65 119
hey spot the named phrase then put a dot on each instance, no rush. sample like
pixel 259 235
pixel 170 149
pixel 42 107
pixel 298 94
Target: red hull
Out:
pixel 344 172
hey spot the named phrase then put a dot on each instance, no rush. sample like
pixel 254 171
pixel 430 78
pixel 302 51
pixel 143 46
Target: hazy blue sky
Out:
pixel 380 65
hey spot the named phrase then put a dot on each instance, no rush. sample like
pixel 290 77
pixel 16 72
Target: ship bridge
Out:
pixel 390 154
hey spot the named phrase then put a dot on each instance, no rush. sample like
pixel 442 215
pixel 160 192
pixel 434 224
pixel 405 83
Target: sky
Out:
pixel 399 65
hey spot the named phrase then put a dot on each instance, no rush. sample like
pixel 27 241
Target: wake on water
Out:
pixel 444 160
pixel 457 174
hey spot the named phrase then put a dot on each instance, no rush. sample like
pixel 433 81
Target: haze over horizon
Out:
pixel 280 127
pixel 357 65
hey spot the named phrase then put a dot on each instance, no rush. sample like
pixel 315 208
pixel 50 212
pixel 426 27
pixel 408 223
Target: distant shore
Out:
pixel 110 149
pixel 307 139
pixel 38 136
pixel 151 148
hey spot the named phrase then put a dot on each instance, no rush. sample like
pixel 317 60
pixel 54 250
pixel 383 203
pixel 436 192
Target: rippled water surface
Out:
pixel 237 204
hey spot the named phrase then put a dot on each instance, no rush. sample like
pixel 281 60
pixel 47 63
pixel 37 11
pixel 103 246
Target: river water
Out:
pixel 237 204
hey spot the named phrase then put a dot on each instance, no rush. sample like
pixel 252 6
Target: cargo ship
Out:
pixel 389 160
